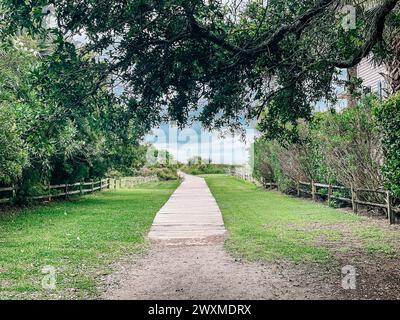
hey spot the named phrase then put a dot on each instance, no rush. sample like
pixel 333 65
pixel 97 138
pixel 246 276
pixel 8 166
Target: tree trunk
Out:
pixel 393 66
pixel 351 97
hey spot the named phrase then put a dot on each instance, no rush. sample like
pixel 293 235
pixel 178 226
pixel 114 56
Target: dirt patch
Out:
pixel 203 272
pixel 377 273
pixel 206 271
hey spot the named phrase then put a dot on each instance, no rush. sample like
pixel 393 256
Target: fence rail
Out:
pixel 353 199
pixel 9 194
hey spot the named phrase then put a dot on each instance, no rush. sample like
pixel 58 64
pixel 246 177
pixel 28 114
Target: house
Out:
pixel 372 76
pixel 373 81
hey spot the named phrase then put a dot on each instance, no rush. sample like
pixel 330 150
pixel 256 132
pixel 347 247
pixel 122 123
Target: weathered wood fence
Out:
pixel 314 190
pixel 8 195
pixel 249 177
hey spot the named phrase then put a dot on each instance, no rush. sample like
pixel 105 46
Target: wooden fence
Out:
pixel 8 194
pixel 249 177
pixel 313 190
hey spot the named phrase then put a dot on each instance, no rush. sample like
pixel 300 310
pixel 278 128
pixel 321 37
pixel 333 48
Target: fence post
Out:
pixel 313 190
pixel 13 191
pixel 115 183
pixel 66 191
pixel 329 194
pixel 49 189
pixel 298 188
pixel 354 198
pixel 109 183
pixel 101 184
pixel 389 207
pixel 91 180
pixel 81 188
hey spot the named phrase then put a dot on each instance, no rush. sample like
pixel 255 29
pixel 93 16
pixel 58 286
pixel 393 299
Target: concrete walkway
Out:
pixel 191 213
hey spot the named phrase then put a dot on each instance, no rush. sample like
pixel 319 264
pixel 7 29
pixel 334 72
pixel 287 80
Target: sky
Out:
pixel 196 141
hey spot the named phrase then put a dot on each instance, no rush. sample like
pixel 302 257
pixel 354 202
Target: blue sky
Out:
pixel 196 141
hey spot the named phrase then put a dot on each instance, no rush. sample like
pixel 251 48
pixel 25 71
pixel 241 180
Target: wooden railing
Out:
pixel 8 194
pixel 353 199
pixel 249 177
pixel 242 175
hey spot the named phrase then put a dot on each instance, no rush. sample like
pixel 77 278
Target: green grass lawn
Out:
pixel 269 225
pixel 79 239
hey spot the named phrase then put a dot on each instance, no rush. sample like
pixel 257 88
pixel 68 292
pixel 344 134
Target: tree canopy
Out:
pixel 53 133
pixel 220 62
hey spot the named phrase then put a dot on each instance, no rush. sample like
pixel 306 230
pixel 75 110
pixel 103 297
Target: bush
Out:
pixel 337 148
pixel 202 168
pixel 114 174
pixel 268 164
pixel 165 174
pixel 52 135
pixel 351 146
pixel 13 157
pixel 388 119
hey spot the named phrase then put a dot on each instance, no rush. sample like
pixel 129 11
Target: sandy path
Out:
pixel 207 272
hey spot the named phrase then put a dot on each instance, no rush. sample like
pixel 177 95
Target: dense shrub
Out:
pixel 13 157
pixel 337 148
pixel 351 145
pixel 165 174
pixel 388 119
pixel 52 135
pixel 268 165
pixel 198 169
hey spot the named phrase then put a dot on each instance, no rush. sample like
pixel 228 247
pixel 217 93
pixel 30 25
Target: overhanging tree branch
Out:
pixel 272 40
pixel 378 26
